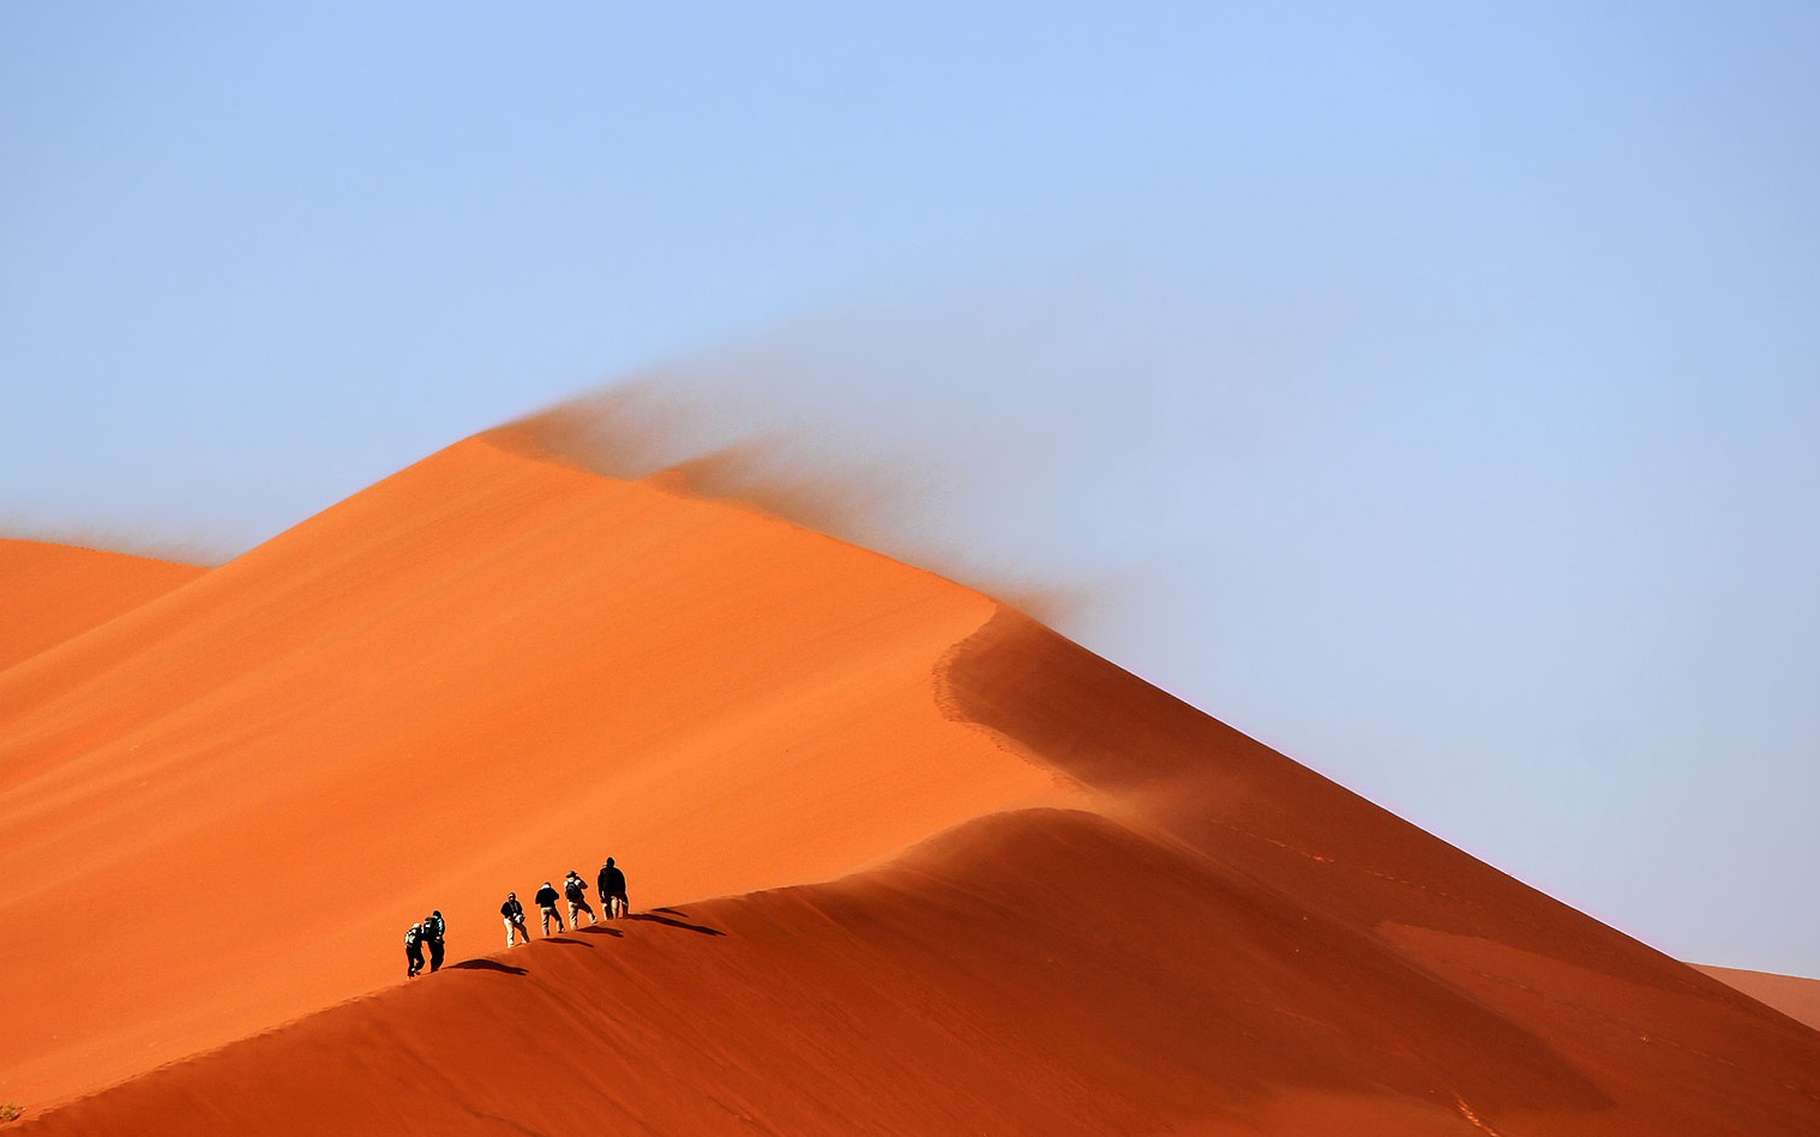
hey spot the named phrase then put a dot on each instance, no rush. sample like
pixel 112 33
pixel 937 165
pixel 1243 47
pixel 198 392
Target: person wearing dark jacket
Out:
pixel 433 928
pixel 514 915
pixel 413 950
pixel 575 890
pixel 613 890
pixel 546 898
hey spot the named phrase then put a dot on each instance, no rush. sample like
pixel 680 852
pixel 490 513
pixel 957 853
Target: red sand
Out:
pixel 49 593
pixel 1118 915
pixel 1793 995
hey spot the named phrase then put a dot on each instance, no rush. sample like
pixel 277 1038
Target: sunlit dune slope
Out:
pixel 1114 913
pixel 483 671
pixel 49 593
pixel 1794 996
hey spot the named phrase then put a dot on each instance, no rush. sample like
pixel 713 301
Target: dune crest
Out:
pixel 50 592
pixel 1795 996
pixel 970 875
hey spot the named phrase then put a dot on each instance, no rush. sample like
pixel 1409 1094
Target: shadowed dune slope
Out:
pixel 1007 886
pixel 50 592
pixel 1793 995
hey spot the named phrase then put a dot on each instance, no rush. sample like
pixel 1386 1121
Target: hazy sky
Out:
pixel 1432 390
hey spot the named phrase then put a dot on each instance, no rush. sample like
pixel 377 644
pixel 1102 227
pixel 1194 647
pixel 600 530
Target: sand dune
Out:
pixel 484 670
pixel 1006 886
pixel 1793 995
pixel 1030 972
pixel 49 593
pixel 968 988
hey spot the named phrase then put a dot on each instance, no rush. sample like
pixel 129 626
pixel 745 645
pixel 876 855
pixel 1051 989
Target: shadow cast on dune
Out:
pixel 484 964
pixel 599 930
pixel 1228 795
pixel 653 918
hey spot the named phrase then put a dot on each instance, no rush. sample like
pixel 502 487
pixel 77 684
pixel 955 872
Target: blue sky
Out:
pixel 1430 389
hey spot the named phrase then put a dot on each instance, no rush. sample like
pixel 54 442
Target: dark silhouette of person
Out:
pixel 433 929
pixel 575 890
pixel 613 890
pixel 413 950
pixel 546 898
pixel 514 914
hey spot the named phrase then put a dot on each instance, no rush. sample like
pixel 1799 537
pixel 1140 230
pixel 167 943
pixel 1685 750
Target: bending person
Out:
pixel 576 890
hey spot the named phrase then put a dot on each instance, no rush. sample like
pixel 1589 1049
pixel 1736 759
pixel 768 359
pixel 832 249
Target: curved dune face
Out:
pixel 1037 971
pixel 1033 971
pixel 1009 887
pixel 49 593
pixel 1568 1026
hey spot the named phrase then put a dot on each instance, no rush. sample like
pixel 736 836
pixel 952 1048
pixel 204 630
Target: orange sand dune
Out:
pixel 49 593
pixel 1029 972
pixel 1794 996
pixel 483 671
pixel 1012 888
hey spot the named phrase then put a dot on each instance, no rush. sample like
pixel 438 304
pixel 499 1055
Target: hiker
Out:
pixel 613 891
pixel 514 914
pixel 413 950
pixel 576 890
pixel 433 929
pixel 546 901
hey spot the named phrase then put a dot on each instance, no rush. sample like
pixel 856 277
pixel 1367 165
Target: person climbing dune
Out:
pixel 514 914
pixel 433 929
pixel 613 890
pixel 413 950
pixel 546 899
pixel 575 890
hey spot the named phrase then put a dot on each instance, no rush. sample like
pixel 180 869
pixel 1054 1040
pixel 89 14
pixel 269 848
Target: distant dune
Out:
pixel 970 877
pixel 1794 996
pixel 49 593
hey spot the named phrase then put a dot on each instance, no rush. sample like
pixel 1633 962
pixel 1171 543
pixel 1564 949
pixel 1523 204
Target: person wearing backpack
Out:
pixel 576 890
pixel 546 898
pixel 413 950
pixel 433 929
pixel 613 890
pixel 514 915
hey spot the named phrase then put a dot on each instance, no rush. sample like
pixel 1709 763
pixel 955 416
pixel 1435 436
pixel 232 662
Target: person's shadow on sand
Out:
pixel 654 918
pixel 484 964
